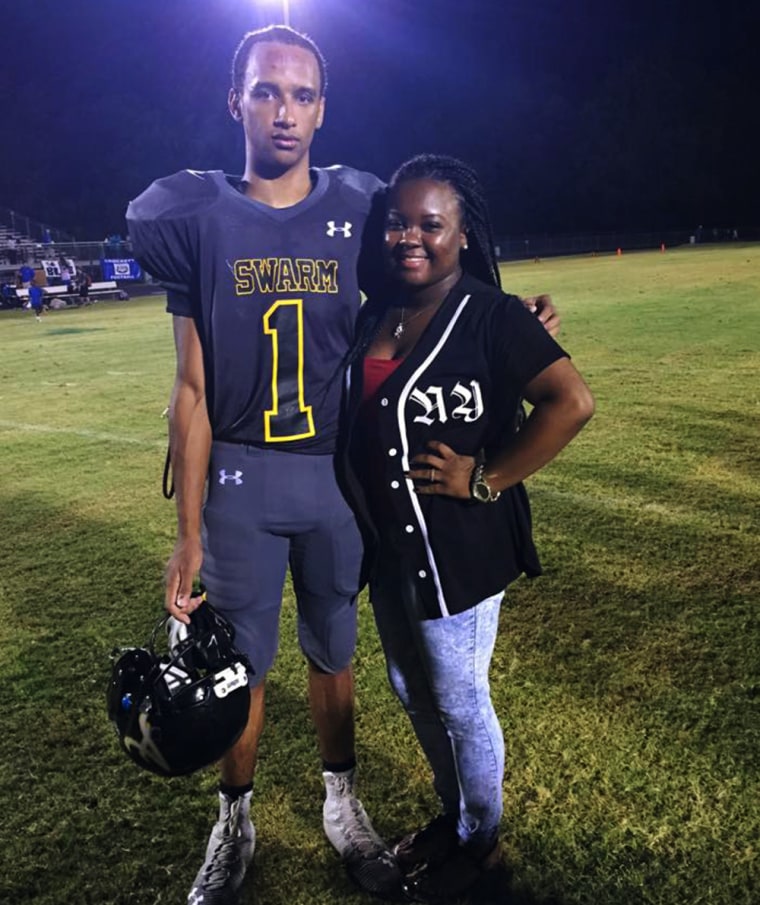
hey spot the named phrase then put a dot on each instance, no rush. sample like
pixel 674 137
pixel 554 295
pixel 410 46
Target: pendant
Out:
pixel 399 330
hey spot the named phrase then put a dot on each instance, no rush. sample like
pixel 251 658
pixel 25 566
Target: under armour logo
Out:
pixel 237 477
pixel 345 229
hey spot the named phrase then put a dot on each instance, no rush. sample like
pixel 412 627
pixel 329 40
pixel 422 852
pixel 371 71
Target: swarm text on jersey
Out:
pixel 285 275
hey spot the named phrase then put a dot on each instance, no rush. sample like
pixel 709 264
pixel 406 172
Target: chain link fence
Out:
pixel 512 248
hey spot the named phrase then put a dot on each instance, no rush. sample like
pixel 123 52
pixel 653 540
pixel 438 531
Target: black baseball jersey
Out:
pixel 274 294
pixel 461 384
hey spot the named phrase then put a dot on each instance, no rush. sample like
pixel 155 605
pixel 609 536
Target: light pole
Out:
pixel 285 8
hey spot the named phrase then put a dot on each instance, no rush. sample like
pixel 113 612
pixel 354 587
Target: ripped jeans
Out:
pixel 438 668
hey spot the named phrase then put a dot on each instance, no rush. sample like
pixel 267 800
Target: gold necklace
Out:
pixel 401 325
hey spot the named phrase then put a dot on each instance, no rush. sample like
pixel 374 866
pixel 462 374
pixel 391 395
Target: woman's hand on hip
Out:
pixel 441 471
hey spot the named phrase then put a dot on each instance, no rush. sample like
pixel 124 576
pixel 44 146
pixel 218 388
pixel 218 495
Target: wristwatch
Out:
pixel 480 489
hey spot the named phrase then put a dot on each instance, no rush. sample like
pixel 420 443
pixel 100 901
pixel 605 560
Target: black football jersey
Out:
pixel 274 294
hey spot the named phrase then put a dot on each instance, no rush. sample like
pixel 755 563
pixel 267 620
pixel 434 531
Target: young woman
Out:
pixel 432 463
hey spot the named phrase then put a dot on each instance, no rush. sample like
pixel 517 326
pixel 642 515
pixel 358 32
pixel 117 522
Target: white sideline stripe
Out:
pixel 667 512
pixel 74 432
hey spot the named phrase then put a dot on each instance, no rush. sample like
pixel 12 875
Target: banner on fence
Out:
pixel 63 269
pixel 120 269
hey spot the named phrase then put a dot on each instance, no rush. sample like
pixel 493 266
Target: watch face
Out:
pixel 481 491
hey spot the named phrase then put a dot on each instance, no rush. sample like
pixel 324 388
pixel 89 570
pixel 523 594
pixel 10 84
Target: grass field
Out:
pixel 627 677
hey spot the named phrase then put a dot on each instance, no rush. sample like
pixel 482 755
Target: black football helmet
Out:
pixel 178 712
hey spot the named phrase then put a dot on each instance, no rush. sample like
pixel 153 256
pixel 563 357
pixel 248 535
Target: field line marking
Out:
pixel 669 512
pixel 79 432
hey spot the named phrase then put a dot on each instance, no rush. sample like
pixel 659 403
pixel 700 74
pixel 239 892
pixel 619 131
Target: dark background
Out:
pixel 579 114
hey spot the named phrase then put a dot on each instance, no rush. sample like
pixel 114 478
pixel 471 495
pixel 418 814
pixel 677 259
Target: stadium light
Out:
pixel 285 9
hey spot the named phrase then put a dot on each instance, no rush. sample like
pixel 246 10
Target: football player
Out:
pixel 262 282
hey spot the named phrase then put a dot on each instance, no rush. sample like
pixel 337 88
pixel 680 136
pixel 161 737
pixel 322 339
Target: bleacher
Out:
pixel 14 247
pixel 60 263
pixel 102 289
pixel 24 241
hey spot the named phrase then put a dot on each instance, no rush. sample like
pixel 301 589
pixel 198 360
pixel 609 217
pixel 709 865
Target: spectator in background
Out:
pixel 26 275
pixel 7 295
pixel 35 300
pixel 84 287
pixel 65 271
pixel 114 244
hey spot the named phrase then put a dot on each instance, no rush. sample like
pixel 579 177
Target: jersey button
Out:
pixel 395 485
pixel 393 451
pixel 409 529
pixel 422 573
pixel 383 402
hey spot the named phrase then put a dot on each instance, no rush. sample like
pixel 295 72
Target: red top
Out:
pixel 376 372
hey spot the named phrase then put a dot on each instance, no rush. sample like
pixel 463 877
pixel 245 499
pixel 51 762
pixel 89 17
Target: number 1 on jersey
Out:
pixel 289 418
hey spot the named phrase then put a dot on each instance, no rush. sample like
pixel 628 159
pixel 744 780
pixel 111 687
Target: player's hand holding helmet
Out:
pixel 180 711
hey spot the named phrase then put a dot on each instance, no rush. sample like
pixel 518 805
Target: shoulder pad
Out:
pixel 364 186
pixel 177 196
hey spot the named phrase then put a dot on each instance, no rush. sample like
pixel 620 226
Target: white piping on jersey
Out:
pixel 408 387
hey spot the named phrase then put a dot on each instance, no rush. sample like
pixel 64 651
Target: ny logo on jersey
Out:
pixel 345 229
pixel 463 402
pixel 237 477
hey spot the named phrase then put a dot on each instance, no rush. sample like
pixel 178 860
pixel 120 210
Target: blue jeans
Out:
pixel 438 668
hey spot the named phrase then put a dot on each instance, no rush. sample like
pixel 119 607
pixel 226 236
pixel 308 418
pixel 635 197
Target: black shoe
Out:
pixel 431 844
pixel 377 874
pixel 493 888
pixel 449 880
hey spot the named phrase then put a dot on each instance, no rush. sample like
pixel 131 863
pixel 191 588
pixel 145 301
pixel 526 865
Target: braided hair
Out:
pixel 275 34
pixel 479 258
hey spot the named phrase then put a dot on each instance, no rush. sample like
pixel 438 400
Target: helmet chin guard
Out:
pixel 178 712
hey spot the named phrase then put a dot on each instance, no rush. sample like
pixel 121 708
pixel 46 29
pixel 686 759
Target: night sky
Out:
pixel 579 114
